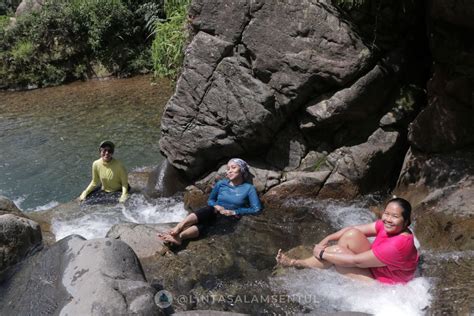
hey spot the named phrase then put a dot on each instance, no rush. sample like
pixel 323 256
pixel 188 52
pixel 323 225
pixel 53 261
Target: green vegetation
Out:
pixel 75 39
pixel 170 38
pixel 319 163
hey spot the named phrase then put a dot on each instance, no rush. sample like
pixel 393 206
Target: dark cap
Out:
pixel 107 143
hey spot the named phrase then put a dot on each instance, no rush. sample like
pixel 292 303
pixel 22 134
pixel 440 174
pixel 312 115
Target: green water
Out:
pixel 49 137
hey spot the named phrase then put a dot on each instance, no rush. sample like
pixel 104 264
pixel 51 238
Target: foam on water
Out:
pixel 95 221
pixel 326 290
pixel 45 207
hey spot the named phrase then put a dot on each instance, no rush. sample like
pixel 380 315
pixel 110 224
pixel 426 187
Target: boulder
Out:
pixel 20 238
pixel 448 122
pixel 80 277
pixel 240 82
pixel 367 95
pixel 364 168
pixel 141 238
pixel 440 188
pixel 296 184
pixel 144 181
pixel 449 118
pixel 9 207
pixel 27 6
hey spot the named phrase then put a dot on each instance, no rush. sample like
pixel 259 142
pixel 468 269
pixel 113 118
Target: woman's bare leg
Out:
pixel 187 233
pixel 353 242
pixel 190 220
pixel 310 262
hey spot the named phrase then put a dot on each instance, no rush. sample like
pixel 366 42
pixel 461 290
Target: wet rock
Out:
pixel 75 276
pixel 9 207
pixel 169 181
pixel 440 188
pixel 363 168
pixel 451 272
pixel 144 181
pixel 232 259
pixel 20 237
pixel 141 238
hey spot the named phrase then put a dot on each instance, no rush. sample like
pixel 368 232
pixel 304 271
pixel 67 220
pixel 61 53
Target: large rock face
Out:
pixel 240 82
pixel 79 277
pixel 440 188
pixel 290 86
pixel 448 122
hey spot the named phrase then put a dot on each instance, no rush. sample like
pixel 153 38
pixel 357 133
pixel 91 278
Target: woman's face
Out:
pixel 233 171
pixel 106 154
pixel 392 219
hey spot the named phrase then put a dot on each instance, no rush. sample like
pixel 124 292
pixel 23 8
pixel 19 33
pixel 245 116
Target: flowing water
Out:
pixel 49 137
pixel 326 291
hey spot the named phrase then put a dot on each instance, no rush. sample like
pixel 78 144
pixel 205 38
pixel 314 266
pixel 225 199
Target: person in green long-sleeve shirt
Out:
pixel 109 173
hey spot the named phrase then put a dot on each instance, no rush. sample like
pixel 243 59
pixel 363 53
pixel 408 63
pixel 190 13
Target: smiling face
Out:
pixel 233 173
pixel 106 153
pixel 392 219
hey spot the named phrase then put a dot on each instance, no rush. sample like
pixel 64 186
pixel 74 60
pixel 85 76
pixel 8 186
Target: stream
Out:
pixel 49 138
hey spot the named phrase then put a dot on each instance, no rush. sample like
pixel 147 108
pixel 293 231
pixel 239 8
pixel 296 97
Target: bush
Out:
pixel 67 39
pixel 170 38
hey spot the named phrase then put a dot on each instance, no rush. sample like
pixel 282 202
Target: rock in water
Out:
pixel 20 237
pixel 79 277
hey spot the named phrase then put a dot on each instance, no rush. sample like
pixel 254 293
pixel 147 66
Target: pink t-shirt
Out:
pixel 399 254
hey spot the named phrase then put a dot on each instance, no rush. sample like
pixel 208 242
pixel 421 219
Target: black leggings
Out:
pixel 206 216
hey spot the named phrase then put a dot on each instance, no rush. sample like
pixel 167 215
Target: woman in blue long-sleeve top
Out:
pixel 229 197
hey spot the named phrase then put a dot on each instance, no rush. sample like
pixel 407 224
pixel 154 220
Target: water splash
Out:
pixel 94 221
pixel 44 207
pixel 328 291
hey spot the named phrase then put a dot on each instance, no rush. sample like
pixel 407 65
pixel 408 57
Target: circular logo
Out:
pixel 163 299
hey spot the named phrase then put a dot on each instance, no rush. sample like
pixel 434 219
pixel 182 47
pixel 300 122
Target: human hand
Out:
pixel 219 208
pixel 317 250
pixel 227 212
pixel 323 243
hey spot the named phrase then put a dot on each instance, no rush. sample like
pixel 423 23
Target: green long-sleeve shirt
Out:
pixel 112 175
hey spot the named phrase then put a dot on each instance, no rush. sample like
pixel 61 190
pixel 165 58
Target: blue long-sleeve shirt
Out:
pixel 242 199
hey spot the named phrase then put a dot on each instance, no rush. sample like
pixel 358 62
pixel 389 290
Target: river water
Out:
pixel 49 137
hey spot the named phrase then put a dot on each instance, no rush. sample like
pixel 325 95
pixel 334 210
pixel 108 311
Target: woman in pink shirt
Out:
pixel 391 258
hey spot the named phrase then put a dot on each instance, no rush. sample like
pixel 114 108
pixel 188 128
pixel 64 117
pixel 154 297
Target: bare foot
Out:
pixel 168 238
pixel 284 260
pixel 175 230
